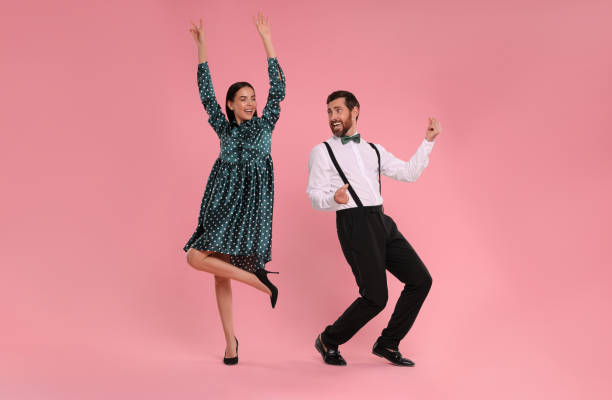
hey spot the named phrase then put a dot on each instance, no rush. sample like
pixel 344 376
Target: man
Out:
pixel 344 176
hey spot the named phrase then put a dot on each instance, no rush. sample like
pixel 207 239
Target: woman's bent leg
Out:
pixel 202 260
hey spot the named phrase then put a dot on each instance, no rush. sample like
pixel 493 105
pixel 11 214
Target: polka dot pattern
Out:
pixel 236 210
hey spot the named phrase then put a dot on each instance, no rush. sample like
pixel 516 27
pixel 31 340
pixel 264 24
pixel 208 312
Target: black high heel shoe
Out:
pixel 231 360
pixel 262 275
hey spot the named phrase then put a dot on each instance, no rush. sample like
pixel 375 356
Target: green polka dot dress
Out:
pixel 236 211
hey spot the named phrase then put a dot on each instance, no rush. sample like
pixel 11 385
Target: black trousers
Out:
pixel 372 244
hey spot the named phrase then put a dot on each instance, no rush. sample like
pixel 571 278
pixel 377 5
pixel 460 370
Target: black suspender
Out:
pixel 377 156
pixel 343 177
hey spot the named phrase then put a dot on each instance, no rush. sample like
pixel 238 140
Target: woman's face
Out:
pixel 244 104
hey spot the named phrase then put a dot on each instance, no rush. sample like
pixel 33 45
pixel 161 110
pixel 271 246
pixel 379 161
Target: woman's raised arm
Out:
pixel 197 31
pixel 216 118
pixel 271 111
pixel 263 27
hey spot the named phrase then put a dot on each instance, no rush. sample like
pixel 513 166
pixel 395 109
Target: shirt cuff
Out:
pixel 427 145
pixel 332 201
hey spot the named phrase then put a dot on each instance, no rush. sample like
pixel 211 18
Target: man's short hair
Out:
pixel 349 98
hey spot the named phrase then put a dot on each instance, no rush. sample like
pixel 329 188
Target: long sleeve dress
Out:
pixel 236 211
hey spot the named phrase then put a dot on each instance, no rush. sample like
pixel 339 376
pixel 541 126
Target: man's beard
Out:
pixel 346 126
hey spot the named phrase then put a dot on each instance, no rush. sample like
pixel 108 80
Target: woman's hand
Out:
pixel 263 26
pixel 197 31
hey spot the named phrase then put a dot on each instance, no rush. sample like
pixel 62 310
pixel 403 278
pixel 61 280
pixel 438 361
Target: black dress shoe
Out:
pixel 262 275
pixel 330 356
pixel 394 357
pixel 232 360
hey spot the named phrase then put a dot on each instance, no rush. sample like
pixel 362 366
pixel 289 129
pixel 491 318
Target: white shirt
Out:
pixel 359 163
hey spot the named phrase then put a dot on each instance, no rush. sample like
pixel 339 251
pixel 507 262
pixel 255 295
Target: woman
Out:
pixel 234 232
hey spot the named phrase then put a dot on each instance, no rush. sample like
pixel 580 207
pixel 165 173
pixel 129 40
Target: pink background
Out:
pixel 105 153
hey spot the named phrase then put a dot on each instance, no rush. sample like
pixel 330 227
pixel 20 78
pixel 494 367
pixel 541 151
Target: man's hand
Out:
pixel 433 129
pixel 341 197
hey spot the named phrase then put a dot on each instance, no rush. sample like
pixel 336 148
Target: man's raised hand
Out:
pixel 433 129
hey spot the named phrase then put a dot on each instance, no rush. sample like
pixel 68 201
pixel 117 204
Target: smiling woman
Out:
pixel 233 238
pixel 240 102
